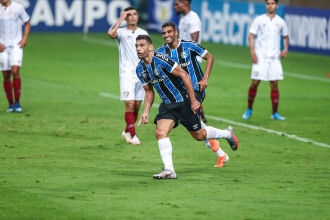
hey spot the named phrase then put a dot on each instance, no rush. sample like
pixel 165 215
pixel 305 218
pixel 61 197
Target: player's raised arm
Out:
pixel 179 72
pixel 254 57
pixel 112 32
pixel 148 100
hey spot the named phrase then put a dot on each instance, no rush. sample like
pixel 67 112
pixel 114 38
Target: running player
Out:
pixel 185 53
pixel 12 16
pixel 179 104
pixel 266 54
pixel 190 28
pixel 131 90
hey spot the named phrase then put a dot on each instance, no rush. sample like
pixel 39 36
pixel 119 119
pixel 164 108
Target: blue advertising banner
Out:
pixel 159 12
pixel 228 22
pixel 73 15
pixel 309 29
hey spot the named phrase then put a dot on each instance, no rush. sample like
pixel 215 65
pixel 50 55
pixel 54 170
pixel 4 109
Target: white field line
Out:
pixel 111 43
pixel 280 133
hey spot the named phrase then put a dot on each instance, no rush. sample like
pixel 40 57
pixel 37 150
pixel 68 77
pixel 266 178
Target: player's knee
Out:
pixel 199 136
pixel 160 134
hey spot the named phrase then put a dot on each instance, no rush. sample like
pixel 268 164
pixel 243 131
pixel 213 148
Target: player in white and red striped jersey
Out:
pixel 12 17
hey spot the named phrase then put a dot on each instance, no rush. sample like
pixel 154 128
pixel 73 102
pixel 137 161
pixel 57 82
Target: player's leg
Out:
pixel 6 72
pixel 276 73
pixel 16 58
pixel 214 145
pixel 8 87
pixel 251 96
pixel 164 126
pixel 135 140
pixel 274 94
pixel 129 132
pixel 15 70
pixel 201 110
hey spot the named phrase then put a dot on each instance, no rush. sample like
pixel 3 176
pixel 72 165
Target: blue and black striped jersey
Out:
pixel 159 74
pixel 186 55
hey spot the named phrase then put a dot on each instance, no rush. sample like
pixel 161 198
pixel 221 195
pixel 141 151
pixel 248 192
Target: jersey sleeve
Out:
pixel 24 17
pixel 195 24
pixel 119 33
pixel 139 70
pixel 198 49
pixel 284 31
pixel 254 27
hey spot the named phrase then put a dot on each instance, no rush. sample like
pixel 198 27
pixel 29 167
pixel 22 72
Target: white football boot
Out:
pixel 127 136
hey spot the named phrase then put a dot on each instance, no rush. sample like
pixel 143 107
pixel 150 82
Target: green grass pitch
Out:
pixel 64 157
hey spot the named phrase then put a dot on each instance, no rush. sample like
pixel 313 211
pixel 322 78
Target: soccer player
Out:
pixel 131 90
pixel 190 28
pixel 12 16
pixel 266 54
pixel 179 104
pixel 185 53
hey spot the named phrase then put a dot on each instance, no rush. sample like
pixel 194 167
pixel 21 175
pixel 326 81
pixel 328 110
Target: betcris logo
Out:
pixel 73 15
pixel 159 12
pixel 228 22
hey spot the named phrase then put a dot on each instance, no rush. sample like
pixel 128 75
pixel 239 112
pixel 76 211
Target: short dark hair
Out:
pixel 144 37
pixel 169 24
pixel 189 1
pixel 275 1
pixel 130 8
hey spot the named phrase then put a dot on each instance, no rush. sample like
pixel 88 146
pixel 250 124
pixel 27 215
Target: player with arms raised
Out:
pixel 12 16
pixel 179 104
pixel 266 54
pixel 131 91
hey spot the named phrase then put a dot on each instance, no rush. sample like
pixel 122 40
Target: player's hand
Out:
pixel 2 47
pixel 143 119
pixel 284 53
pixel 254 58
pixel 195 105
pixel 22 43
pixel 202 84
pixel 123 15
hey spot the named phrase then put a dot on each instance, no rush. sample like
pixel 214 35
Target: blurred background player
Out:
pixel 190 28
pixel 179 104
pixel 266 54
pixel 12 16
pixel 131 90
pixel 185 54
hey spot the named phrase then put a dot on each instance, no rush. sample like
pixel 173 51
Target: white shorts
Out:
pixel 267 70
pixel 130 87
pixel 11 56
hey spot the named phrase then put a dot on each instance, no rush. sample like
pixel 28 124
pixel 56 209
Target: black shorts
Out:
pixel 180 113
pixel 200 96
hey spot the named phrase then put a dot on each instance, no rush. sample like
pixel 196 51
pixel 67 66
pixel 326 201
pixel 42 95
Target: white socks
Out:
pixel 219 152
pixel 214 133
pixel 165 149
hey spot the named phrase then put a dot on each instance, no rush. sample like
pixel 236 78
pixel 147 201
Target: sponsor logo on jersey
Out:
pixel 185 64
pixel 162 56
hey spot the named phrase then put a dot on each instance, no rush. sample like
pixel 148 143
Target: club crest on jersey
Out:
pixel 157 72
pixel 184 54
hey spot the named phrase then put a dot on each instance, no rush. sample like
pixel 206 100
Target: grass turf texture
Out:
pixel 64 157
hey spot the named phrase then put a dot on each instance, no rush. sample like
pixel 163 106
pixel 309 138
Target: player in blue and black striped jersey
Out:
pixel 179 104
pixel 185 53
